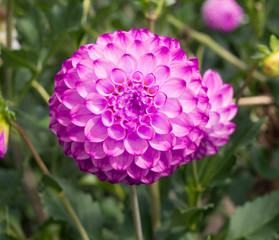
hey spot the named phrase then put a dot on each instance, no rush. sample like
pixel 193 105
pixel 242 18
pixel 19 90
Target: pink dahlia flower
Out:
pixel 221 112
pixel 4 136
pixel 223 15
pixel 130 108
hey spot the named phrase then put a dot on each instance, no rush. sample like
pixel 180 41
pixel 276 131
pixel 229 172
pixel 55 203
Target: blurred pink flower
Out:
pixel 4 137
pixel 130 108
pixel 222 111
pixel 223 15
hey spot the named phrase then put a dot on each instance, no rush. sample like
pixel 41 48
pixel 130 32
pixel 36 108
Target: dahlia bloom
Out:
pixel 4 137
pixel 221 112
pixel 130 108
pixel 223 15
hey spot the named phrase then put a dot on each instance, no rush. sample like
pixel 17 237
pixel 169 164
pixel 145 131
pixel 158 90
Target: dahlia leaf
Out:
pixel 51 182
pixel 189 216
pixel 274 43
pixel 19 58
pixel 256 220
pixel 87 210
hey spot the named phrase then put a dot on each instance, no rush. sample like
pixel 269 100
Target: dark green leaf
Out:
pixel 51 182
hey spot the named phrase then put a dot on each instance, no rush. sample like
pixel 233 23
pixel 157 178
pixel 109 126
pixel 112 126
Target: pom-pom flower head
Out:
pixel 130 108
pixel 4 137
pixel 221 112
pixel 223 15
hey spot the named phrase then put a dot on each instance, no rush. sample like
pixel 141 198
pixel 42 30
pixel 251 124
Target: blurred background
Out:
pixel 36 36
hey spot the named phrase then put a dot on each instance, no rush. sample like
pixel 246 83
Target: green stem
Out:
pixel 74 216
pixel 209 170
pixel 218 49
pixel 45 170
pixel 136 212
pixel 40 89
pixel 155 207
pixel 249 75
pixel 152 16
pixel 198 188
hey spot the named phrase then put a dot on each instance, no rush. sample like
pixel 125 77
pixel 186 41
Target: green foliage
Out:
pixel 258 219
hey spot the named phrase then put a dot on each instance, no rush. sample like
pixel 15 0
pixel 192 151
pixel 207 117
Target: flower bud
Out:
pixel 4 137
pixel 271 65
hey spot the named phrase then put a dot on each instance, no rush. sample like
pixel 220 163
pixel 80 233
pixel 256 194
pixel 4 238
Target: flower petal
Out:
pixel 71 98
pixel 95 103
pixel 103 67
pixel 135 145
pixel 121 162
pixel 188 101
pixel 96 51
pixel 145 132
pixel 182 125
pixel 174 87
pixel 160 99
pixel 94 150
pixel 118 76
pixel 104 87
pixel 102 164
pixel 147 63
pixel 113 148
pixel 127 62
pixel 172 108
pixel 164 162
pixel 149 159
pixel 95 131
pixel 107 118
pixel 136 172
pixel 163 142
pixel 228 113
pixel 161 123
pixel 78 151
pixel 113 52
pixel 85 87
pixel 80 115
pixel 116 132
pixel 162 74
pixel 162 54
pixel 137 48
pixel 181 70
pixel 75 133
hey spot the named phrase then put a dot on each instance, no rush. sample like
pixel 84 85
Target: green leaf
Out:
pixel 189 216
pixel 263 49
pixel 52 183
pixel 86 209
pixel 274 43
pixel 19 58
pixel 10 182
pixel 256 218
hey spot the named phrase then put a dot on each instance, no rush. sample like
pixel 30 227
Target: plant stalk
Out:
pixel 198 188
pixel 155 207
pixel 136 212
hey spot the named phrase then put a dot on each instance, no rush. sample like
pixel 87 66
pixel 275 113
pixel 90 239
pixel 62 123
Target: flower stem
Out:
pixel 218 49
pixel 257 100
pixel 198 188
pixel 155 207
pixel 153 15
pixel 40 89
pixel 74 216
pixel 45 170
pixel 249 75
pixel 136 213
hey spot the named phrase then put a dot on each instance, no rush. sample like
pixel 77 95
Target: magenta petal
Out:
pixel 116 132
pixel 113 148
pixel 116 176
pixel 95 131
pixel 85 69
pixel 75 133
pixel 214 119
pixel 70 98
pixel 103 67
pixel 181 70
pixel 123 38
pixel 149 159
pixel 96 51
pixel 118 76
pixel 121 162
pixel 71 77
pixel 135 145
pixel 94 150
pixel 182 125
pixel 161 123
pixel 78 56
pixel 213 81
pixel 85 87
pixel 228 113
pixel 102 164
pixel 104 87
pixel 163 142
pixel 199 118
pixel 161 73
pixel 105 39
pixel 149 80
pixel 195 85
pixel 63 115
pixel 178 55
pixel 188 101
pixel 113 52
pixel 107 118
pixel 137 48
pixel 147 63
pixel 164 162
pixel 174 87
pixel 80 115
pixel 95 103
pixel 216 102
pixel 172 108
pixel 145 132
pixel 136 172
pixel 151 177
pixel 78 151
pixel 127 62
pixel 182 142
pixel 160 99
pixel 162 54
